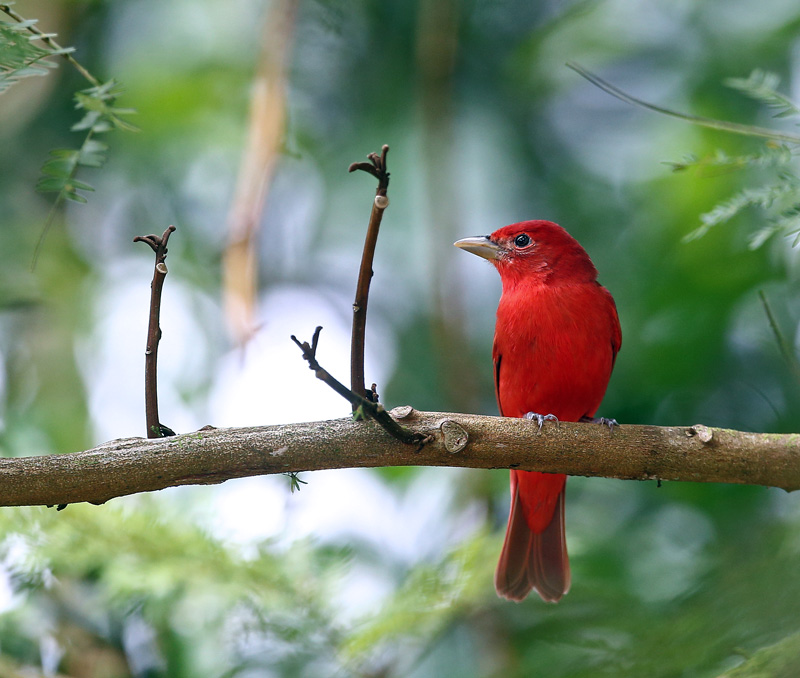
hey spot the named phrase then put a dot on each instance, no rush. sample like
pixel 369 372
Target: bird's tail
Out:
pixel 534 559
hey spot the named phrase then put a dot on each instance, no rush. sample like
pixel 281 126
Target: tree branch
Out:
pixel 127 466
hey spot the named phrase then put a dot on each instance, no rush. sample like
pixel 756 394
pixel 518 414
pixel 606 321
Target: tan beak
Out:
pixel 480 245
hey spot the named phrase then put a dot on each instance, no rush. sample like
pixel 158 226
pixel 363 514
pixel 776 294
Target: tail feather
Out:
pixel 531 560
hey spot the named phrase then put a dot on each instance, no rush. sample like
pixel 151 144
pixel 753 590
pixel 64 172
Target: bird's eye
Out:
pixel 522 240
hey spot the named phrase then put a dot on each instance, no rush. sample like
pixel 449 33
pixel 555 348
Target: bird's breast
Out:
pixel 555 350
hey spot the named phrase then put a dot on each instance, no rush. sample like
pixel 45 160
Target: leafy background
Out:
pixel 388 573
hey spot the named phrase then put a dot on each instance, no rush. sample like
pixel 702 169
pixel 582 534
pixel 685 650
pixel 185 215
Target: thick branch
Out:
pixel 121 467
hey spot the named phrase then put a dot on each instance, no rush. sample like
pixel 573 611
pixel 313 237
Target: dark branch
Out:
pixel 377 168
pixel 155 429
pixel 361 406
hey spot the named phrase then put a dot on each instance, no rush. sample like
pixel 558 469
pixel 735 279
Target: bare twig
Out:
pixel 377 168
pixel 120 467
pixel 155 429
pixel 723 125
pixel 361 405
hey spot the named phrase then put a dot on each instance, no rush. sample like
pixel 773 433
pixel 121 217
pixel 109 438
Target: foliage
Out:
pixel 100 116
pixel 778 200
pixel 763 87
pixel 268 610
pixel 781 660
pixel 20 56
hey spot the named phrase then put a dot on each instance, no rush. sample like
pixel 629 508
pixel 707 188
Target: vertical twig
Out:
pixel 155 429
pixel 786 349
pixel 377 168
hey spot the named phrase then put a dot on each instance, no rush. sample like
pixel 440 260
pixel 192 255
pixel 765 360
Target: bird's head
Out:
pixel 533 251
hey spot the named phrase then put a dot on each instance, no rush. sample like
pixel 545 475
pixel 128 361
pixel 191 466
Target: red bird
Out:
pixel 556 339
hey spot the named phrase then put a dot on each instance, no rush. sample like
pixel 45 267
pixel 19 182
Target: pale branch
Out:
pixel 208 456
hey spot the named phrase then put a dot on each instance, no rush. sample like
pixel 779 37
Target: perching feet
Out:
pixel 541 418
pixel 611 423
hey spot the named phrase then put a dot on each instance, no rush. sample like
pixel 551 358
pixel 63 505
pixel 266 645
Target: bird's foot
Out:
pixel 611 423
pixel 540 418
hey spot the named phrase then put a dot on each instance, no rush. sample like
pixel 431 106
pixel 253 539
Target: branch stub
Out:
pixel 401 412
pixel 455 436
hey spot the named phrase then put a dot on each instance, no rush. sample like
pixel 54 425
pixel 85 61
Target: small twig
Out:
pixel 723 125
pixel 377 168
pixel 783 345
pixel 361 405
pixel 155 429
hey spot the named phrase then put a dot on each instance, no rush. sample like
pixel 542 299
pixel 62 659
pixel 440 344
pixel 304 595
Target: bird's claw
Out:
pixel 540 418
pixel 611 423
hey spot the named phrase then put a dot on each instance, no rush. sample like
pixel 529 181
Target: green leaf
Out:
pixel 20 56
pixel 92 153
pixel 75 197
pixel 80 186
pixel 762 235
pixel 50 184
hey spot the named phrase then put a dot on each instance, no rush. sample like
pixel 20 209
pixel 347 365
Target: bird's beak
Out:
pixel 481 245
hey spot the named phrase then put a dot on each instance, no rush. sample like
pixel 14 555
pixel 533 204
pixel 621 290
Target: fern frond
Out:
pixel 24 51
pixel 763 234
pixel 787 189
pixel 763 87
pixel 773 155
pixel 58 173
pixel 100 115
pixel 20 56
pixel 789 222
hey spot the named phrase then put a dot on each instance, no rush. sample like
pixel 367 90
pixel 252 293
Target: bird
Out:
pixel 557 335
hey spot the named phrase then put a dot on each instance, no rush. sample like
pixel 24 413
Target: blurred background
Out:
pixel 250 112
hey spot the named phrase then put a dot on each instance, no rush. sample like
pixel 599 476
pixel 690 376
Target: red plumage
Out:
pixel 556 339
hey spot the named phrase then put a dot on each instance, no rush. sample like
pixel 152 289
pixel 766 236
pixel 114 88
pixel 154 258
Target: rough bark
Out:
pixel 130 465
